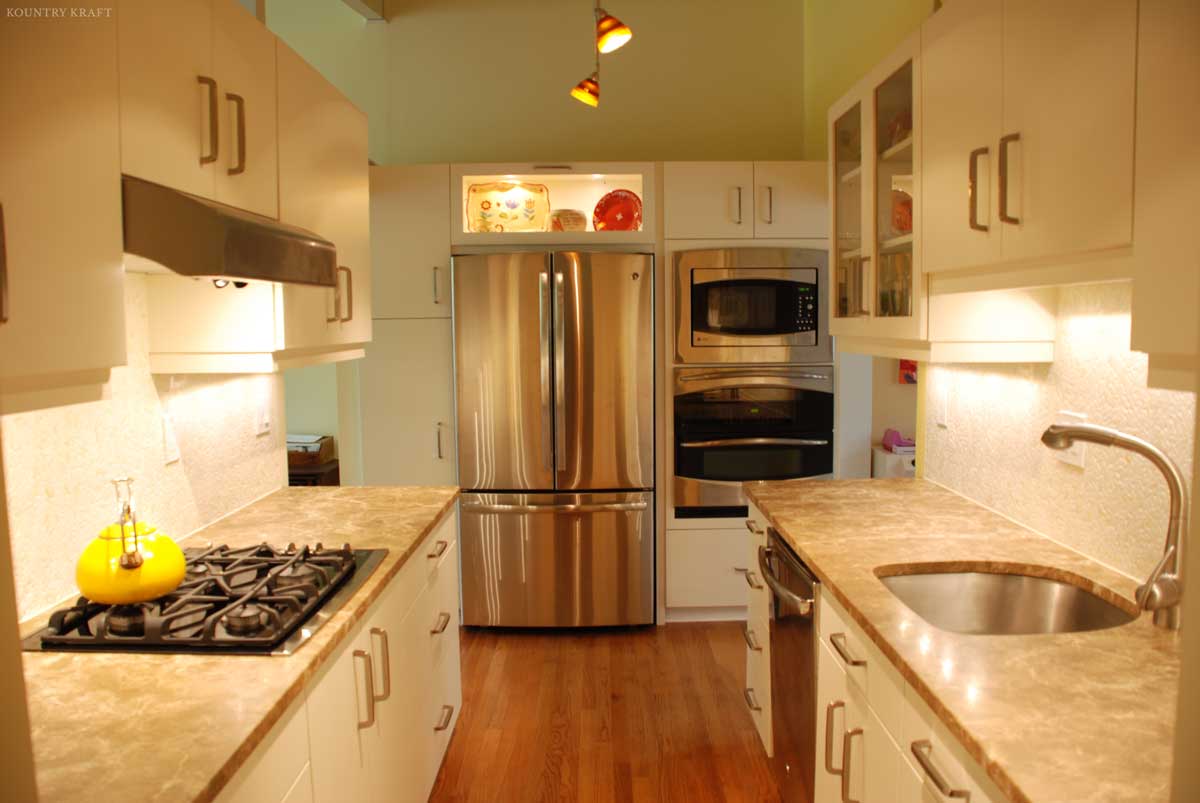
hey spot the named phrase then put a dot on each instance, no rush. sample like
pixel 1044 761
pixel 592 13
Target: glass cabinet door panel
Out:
pixel 851 292
pixel 894 194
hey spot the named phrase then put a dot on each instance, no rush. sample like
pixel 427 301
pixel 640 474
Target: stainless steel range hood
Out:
pixel 194 236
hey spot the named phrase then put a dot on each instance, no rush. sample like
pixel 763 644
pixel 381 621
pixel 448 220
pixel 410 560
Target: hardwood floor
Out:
pixel 647 714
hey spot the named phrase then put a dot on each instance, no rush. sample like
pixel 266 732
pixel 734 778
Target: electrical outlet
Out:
pixel 262 420
pixel 1075 455
pixel 169 441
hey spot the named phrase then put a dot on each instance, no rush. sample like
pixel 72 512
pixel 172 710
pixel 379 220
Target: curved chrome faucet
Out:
pixel 1163 589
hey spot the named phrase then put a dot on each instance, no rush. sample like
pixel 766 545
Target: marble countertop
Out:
pixel 159 727
pixel 1051 718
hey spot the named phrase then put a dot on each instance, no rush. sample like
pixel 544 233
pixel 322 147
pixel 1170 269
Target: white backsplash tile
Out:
pixel 58 461
pixel 1115 509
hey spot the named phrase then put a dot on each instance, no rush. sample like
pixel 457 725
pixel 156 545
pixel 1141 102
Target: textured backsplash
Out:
pixel 1115 509
pixel 58 461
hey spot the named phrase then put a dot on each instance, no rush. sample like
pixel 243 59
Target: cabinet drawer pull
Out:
pixel 921 750
pixel 437 295
pixel 337 298
pixel 349 294
pixel 443 621
pixel 829 709
pixel 739 207
pixel 973 189
pixel 387 666
pixel 751 639
pixel 240 104
pixel 752 527
pixel 1004 143
pixel 447 715
pixel 751 700
pixel 214 131
pixel 369 674
pixel 752 580
pixel 3 272
pixel 770 204
pixel 439 549
pixel 440 454
pixel 846 756
pixel 838 640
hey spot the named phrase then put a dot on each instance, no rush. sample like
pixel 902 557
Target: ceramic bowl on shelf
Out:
pixel 568 220
pixel 619 210
pixel 507 206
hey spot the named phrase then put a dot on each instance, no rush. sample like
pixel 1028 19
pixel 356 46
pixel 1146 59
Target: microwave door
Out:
pixel 604 370
pixel 502 341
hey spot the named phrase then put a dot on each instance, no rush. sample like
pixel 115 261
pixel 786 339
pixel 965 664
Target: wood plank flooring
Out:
pixel 646 714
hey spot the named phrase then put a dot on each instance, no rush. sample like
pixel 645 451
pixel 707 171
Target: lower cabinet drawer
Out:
pixel 757 694
pixel 705 568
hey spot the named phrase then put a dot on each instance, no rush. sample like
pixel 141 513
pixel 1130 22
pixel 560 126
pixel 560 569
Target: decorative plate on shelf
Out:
pixel 507 206
pixel 568 220
pixel 620 210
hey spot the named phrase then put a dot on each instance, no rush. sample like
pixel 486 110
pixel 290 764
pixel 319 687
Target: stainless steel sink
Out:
pixel 988 603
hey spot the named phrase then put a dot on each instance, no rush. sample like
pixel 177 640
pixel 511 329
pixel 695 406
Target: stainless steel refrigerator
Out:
pixel 554 372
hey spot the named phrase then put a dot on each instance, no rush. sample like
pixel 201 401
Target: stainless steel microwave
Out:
pixel 751 305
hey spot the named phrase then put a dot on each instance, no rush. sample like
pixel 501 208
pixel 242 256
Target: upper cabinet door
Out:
pixel 791 200
pixel 244 62
pixel 410 241
pixel 60 200
pixel 324 186
pixel 708 199
pixel 170 98
pixel 961 82
pixel 1069 74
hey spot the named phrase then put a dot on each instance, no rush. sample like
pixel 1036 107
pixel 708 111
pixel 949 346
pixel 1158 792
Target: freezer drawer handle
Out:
pixel 921 750
pixel 754 442
pixel 829 709
pixel 781 591
pixel 439 549
pixel 602 507
pixel 838 640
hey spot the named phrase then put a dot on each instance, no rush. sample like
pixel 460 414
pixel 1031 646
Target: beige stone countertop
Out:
pixel 176 727
pixel 1051 718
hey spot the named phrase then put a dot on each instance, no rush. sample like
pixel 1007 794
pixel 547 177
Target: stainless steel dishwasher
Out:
pixel 793 667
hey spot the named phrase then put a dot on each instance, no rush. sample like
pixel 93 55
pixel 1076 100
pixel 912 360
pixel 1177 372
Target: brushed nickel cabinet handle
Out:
pixel 337 300
pixel 439 549
pixel 349 294
pixel 739 206
pixel 240 104
pixel 3 272
pixel 751 700
pixel 770 204
pixel 829 709
pixel 437 293
pixel 846 756
pixel 387 666
pixel 440 456
pixel 443 621
pixel 214 133
pixel 838 640
pixel 921 750
pixel 751 639
pixel 752 580
pixel 973 189
pixel 1004 143
pixel 369 673
pixel 752 527
pixel 447 715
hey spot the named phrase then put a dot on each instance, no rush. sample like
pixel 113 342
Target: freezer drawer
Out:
pixel 557 560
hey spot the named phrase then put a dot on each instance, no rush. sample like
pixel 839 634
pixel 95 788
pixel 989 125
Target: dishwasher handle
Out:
pixel 781 591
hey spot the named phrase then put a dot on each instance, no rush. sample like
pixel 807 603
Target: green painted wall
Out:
pixel 477 80
pixel 843 39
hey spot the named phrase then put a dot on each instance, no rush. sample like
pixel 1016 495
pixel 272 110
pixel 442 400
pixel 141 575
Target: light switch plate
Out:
pixel 1075 455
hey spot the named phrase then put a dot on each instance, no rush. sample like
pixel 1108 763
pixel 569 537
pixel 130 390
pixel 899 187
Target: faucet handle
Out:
pixel 1159 590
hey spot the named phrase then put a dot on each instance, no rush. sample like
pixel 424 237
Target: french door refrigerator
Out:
pixel 554 371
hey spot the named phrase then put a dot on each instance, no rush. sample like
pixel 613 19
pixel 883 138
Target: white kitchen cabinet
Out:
pixel 706 568
pixel 410 241
pixel 198 106
pixel 832 725
pixel 407 399
pixel 791 200
pixel 714 200
pixel 279 769
pixel 60 203
pixel 341 719
pixel 324 186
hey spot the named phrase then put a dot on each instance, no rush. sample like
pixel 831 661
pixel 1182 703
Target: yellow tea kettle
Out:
pixel 110 572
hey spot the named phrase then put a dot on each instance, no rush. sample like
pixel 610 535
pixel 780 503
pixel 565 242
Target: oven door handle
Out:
pixel 804 605
pixel 754 442
pixel 755 374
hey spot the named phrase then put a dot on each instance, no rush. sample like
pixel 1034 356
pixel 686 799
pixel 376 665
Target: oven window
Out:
pixel 770 307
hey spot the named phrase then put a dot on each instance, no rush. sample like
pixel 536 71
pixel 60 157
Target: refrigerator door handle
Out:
pixel 560 370
pixel 544 360
pixel 600 507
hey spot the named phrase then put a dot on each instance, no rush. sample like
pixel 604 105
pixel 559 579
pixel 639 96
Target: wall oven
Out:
pixel 751 305
pixel 748 423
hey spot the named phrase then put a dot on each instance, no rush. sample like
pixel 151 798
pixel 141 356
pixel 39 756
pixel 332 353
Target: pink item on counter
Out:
pixel 892 438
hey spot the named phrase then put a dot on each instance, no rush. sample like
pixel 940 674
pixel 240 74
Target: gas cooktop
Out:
pixel 250 600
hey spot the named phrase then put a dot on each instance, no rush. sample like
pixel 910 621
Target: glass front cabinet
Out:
pixel 877 289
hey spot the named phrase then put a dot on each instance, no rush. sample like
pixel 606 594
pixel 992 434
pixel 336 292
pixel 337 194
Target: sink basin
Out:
pixel 992 603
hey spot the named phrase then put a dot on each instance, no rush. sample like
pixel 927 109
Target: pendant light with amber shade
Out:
pixel 611 34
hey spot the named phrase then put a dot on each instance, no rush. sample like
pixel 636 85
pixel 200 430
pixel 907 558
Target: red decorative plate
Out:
pixel 620 210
